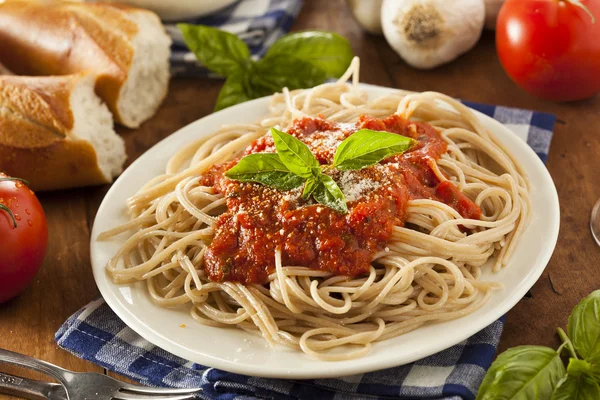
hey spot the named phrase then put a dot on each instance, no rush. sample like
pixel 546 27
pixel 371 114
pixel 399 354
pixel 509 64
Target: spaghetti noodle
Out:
pixel 429 270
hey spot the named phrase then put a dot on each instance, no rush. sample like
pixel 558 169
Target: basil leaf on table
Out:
pixel 295 154
pixel 523 373
pixel 576 388
pixel 328 51
pixel 584 327
pixel 298 60
pixel 220 51
pixel 234 91
pixel 274 73
pixel 265 168
pixel 367 147
pixel 328 193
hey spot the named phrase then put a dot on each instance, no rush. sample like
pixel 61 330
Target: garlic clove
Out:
pixel 368 14
pixel 429 33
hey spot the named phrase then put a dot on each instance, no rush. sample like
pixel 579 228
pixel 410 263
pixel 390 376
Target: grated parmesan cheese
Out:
pixel 355 186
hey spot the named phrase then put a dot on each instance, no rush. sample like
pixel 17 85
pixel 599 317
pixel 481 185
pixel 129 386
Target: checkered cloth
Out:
pixel 96 334
pixel 258 22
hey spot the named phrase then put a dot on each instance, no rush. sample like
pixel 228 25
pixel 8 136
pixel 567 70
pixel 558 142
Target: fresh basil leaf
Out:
pixel 272 74
pixel 309 188
pixel 595 372
pixel 328 51
pixel 366 147
pixel 265 168
pixel 234 91
pixel 576 388
pixel 294 154
pixel 328 193
pixel 584 327
pixel 523 373
pixel 578 367
pixel 220 51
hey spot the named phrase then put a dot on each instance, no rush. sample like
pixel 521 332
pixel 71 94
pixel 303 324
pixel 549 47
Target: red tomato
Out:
pixel 551 48
pixel 22 248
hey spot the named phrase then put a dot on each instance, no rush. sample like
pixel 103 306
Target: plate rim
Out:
pixel 159 340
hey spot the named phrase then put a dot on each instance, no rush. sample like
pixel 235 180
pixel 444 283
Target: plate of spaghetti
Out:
pixel 325 232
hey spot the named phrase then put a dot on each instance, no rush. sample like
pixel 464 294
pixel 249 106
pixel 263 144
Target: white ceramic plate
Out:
pixel 236 351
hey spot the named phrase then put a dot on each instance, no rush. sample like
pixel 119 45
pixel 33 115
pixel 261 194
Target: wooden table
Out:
pixel 65 282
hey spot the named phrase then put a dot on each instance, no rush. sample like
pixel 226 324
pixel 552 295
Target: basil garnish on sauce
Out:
pixel 537 372
pixel 298 60
pixel 367 147
pixel 295 154
pixel 328 193
pixel 294 164
pixel 265 168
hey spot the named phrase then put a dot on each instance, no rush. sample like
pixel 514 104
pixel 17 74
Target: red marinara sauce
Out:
pixel 260 219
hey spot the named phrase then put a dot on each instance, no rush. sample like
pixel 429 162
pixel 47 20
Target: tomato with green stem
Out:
pixel 551 48
pixel 23 236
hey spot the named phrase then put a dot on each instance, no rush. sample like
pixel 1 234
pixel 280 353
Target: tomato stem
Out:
pixel 4 208
pixel 14 179
pixel 578 3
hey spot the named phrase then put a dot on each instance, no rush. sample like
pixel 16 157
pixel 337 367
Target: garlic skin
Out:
pixel 368 14
pixel 429 33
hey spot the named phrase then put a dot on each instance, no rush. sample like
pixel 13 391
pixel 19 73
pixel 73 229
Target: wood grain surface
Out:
pixel 65 283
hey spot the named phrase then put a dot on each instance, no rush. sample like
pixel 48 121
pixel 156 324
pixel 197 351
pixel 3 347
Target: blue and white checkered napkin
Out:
pixel 258 22
pixel 96 334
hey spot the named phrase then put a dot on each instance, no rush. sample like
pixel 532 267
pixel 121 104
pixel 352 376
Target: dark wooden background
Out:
pixel 65 282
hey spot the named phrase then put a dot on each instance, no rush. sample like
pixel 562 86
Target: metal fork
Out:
pixel 92 385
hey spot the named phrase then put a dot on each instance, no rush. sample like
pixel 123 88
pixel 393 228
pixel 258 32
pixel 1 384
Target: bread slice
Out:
pixel 126 48
pixel 148 77
pixel 56 133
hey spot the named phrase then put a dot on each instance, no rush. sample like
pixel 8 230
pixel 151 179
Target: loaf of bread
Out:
pixel 56 133
pixel 126 48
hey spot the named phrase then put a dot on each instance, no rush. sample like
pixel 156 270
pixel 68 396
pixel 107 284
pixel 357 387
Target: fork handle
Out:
pixel 26 388
pixel 10 357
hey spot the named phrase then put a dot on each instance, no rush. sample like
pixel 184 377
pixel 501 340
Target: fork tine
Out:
pixel 148 396
pixel 158 391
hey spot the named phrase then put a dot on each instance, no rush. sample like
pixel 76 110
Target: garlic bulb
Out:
pixel 428 33
pixel 368 14
pixel 492 8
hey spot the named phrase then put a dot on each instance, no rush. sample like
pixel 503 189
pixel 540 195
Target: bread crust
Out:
pixel 65 38
pixel 36 143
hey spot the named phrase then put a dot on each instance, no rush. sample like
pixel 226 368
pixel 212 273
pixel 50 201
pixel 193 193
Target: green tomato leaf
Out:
pixel 328 51
pixel 234 91
pixel 366 147
pixel 296 155
pixel 220 51
pixel 328 193
pixel 309 188
pixel 584 327
pixel 576 388
pixel 265 168
pixel 272 74
pixel 523 373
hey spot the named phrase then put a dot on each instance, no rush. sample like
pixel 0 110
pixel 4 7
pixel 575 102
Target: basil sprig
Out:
pixel 537 372
pixel 294 164
pixel 298 60
pixel 265 168
pixel 584 328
